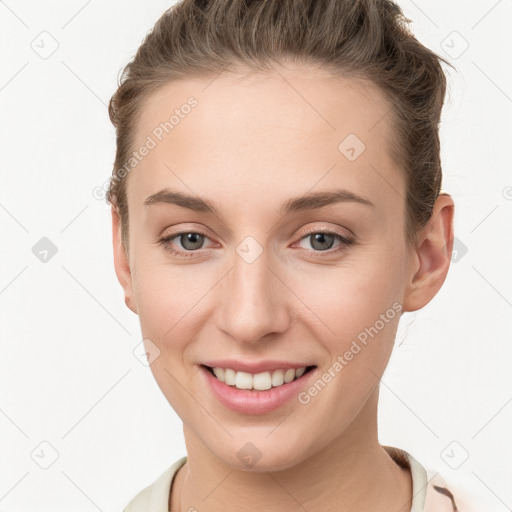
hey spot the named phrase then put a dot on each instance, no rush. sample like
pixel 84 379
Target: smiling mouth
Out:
pixel 259 381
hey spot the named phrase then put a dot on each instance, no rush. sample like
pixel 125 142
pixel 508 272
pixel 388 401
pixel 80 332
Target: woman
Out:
pixel 276 207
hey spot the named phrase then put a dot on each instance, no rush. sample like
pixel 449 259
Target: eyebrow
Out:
pixel 311 201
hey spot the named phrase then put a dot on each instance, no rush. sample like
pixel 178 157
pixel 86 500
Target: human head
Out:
pixel 253 141
pixel 358 38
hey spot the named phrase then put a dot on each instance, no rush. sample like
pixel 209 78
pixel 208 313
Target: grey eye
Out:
pixel 191 241
pixel 321 241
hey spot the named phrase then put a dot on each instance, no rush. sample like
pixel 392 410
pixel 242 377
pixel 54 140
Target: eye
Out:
pixel 190 241
pixel 323 240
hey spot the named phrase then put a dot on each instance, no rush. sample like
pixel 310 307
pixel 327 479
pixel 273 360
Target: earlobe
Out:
pixel 121 262
pixel 432 255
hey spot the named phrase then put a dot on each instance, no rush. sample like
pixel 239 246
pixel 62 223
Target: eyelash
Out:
pixel 345 243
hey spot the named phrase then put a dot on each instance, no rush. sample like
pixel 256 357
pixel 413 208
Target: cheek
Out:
pixel 354 310
pixel 358 311
pixel 168 304
pixel 354 294
pixel 170 299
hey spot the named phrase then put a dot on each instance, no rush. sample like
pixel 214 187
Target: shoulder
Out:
pixel 431 492
pixel 440 496
pixel 155 496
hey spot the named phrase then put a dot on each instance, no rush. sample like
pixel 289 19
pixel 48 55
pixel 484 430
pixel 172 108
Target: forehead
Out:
pixel 293 127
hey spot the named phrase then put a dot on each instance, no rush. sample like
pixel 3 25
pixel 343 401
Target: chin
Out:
pixel 261 456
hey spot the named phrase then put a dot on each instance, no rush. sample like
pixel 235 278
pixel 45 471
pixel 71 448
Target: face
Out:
pixel 252 277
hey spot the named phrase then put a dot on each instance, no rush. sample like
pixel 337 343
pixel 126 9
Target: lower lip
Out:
pixel 249 401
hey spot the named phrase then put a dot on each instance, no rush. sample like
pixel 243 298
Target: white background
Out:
pixel 68 373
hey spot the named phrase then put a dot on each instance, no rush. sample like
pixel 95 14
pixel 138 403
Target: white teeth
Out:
pixel 300 371
pixel 278 378
pixel 229 376
pixel 243 380
pixel 262 381
pixel 219 373
pixel 289 375
pixel 259 381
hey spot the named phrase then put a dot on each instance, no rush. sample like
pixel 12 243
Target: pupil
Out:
pixel 193 239
pixel 321 237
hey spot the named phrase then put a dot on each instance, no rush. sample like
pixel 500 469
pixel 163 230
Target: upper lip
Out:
pixel 254 366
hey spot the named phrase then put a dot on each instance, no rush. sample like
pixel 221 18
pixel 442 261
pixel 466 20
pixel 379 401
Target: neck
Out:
pixel 353 472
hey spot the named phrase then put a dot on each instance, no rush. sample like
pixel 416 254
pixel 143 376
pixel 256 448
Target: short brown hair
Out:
pixel 366 39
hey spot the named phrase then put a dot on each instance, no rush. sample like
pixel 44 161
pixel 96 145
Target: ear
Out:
pixel 432 255
pixel 121 262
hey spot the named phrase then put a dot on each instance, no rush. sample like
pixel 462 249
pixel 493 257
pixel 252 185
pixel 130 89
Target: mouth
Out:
pixel 258 381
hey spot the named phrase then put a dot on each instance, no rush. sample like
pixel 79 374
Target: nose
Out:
pixel 253 301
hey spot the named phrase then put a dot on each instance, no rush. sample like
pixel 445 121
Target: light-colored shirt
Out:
pixel 429 490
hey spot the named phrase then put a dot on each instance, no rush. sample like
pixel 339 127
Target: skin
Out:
pixel 253 142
